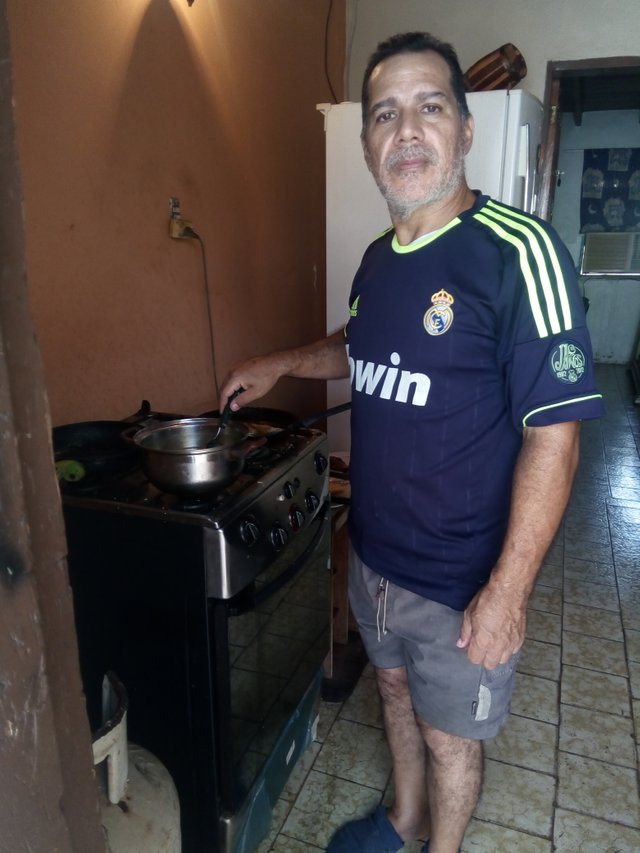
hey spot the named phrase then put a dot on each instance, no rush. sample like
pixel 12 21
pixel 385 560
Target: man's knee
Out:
pixel 393 684
pixel 446 748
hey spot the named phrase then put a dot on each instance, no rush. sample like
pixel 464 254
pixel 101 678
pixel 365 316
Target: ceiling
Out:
pixel 602 90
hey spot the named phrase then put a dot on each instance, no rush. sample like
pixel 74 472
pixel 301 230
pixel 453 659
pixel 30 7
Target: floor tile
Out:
pixel 536 698
pixel 593 529
pixel 484 837
pixel 577 832
pixel 594 653
pixel 629 591
pixel 357 753
pixel 526 743
pixel 278 817
pixel 324 804
pixel 626 568
pixel 517 798
pixel 593 621
pixel 547 599
pixel 546 627
pixel 630 617
pixel 594 734
pixel 621 492
pixel 551 575
pixel 626 516
pixel 363 706
pixel 328 713
pixel 633 644
pixel 634 679
pixel 598 690
pixel 591 594
pixel 590 570
pixel 541 659
pixel 601 790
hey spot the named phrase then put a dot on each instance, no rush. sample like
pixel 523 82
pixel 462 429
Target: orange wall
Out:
pixel 121 104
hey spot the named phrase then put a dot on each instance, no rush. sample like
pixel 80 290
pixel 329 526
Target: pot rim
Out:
pixel 241 432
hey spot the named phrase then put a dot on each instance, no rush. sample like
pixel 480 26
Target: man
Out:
pixel 471 368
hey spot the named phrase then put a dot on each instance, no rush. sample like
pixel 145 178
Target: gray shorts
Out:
pixel 400 628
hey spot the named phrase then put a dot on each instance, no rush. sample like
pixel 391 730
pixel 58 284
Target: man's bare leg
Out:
pixel 410 811
pixel 438 784
pixel 454 773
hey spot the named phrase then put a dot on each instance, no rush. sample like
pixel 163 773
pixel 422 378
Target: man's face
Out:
pixel 414 139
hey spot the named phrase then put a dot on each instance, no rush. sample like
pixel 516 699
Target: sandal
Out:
pixel 372 834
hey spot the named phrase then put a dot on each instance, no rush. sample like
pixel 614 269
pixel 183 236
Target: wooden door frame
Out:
pixel 49 793
pixel 558 73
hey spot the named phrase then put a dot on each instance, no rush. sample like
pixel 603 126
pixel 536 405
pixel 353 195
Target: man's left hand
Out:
pixel 493 628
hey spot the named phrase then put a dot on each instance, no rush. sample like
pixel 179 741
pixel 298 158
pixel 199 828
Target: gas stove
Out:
pixel 246 525
pixel 214 612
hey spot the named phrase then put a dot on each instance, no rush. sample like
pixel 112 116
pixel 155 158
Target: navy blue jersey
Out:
pixel 455 344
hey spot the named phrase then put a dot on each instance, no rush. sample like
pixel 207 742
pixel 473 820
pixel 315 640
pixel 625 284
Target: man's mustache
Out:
pixel 413 152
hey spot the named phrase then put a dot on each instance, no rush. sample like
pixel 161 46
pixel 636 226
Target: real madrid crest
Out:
pixel 439 317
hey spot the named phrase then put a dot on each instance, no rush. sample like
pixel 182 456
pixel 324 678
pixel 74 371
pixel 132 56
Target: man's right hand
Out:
pixel 256 375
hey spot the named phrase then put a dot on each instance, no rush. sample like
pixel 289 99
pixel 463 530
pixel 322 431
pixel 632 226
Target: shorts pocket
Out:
pixel 494 690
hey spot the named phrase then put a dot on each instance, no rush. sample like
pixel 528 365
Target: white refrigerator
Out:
pixel 501 163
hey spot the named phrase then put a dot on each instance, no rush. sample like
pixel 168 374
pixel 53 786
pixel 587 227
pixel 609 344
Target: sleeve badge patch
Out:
pixel 567 363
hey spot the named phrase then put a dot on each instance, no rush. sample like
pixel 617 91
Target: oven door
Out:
pixel 277 635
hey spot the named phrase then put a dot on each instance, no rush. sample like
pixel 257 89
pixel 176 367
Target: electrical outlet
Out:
pixel 179 229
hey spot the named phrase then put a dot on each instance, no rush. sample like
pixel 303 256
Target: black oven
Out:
pixel 223 687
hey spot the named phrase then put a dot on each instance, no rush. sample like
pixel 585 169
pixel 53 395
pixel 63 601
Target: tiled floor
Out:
pixel 563 774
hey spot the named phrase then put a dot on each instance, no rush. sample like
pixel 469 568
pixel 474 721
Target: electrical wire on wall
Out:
pixel 191 232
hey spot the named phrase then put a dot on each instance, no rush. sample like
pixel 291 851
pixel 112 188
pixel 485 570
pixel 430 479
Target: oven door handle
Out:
pixel 256 598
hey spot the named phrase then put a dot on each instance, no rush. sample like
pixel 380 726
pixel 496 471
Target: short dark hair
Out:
pixel 416 43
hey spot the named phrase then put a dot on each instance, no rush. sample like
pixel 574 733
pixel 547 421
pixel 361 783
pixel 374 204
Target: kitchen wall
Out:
pixel 543 30
pixel 614 303
pixel 120 105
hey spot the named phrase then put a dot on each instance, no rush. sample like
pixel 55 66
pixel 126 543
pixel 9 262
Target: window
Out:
pixel 611 254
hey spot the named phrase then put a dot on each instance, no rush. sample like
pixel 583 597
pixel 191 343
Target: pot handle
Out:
pixel 310 419
pixel 128 434
pixel 244 448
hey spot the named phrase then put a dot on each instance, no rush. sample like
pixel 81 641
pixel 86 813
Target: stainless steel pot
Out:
pixel 176 459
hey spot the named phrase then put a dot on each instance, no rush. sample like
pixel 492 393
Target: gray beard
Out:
pixel 444 185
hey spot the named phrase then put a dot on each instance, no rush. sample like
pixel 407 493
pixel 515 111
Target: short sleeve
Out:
pixel 545 342
pixel 551 380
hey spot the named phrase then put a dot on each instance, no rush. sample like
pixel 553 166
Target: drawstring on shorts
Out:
pixel 381 595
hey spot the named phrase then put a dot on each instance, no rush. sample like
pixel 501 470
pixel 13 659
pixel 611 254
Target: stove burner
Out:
pixel 266 455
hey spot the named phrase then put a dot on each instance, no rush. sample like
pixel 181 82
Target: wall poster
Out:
pixel 610 199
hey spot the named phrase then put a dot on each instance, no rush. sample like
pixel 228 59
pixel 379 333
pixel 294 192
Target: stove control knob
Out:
pixel 312 501
pixel 321 463
pixel 296 517
pixel 278 536
pixel 249 532
pixel 289 490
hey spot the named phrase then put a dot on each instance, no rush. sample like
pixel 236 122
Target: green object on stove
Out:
pixel 70 470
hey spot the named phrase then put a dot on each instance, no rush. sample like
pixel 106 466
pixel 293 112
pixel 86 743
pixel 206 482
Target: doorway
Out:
pixel 591 104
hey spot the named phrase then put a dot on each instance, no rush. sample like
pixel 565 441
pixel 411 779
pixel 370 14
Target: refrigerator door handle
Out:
pixel 525 164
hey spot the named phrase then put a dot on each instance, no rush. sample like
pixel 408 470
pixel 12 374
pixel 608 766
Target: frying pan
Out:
pixel 91 448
